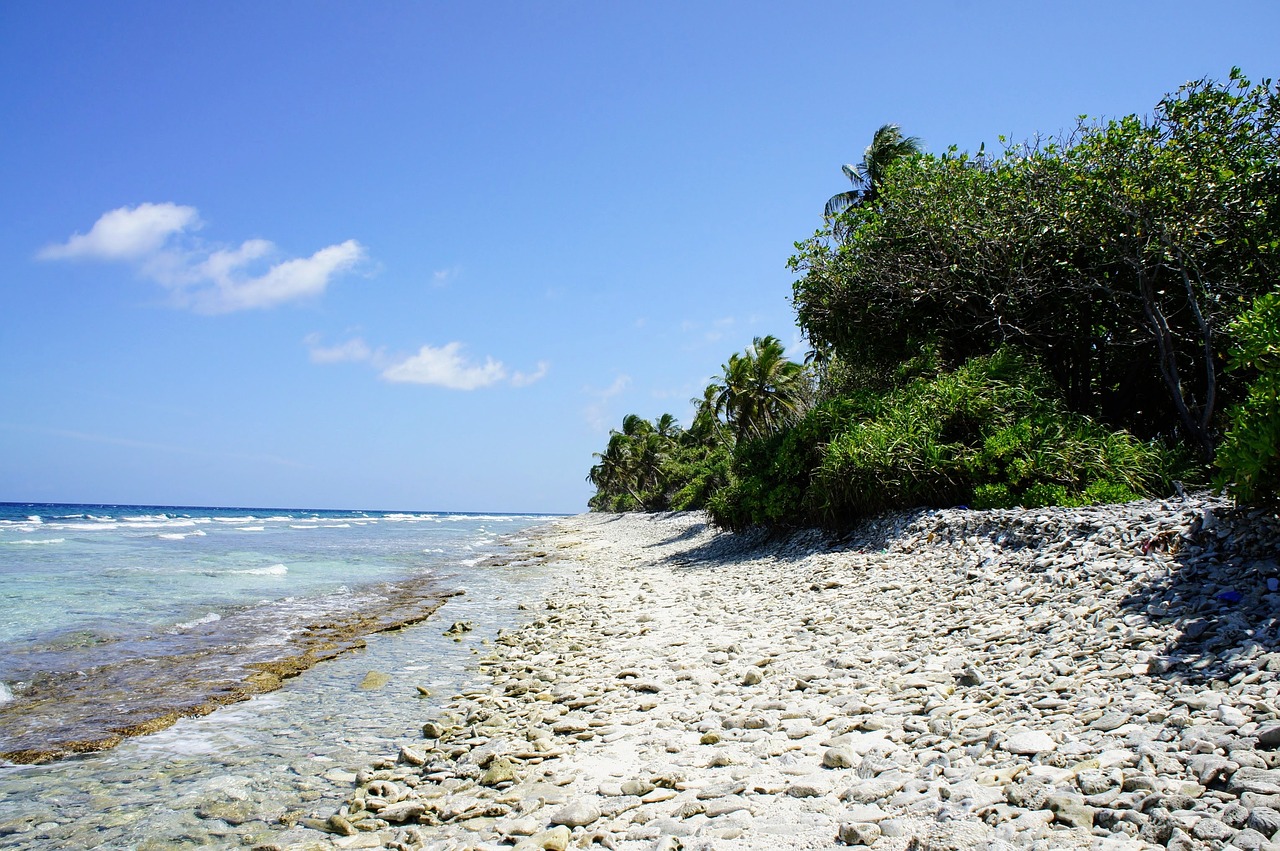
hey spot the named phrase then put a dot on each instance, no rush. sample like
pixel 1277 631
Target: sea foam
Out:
pixel 212 617
pixel 273 570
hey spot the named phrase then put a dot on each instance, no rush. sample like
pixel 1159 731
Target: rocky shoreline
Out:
pixel 1055 678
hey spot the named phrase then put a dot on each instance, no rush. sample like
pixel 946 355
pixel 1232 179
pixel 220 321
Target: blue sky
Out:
pixel 424 255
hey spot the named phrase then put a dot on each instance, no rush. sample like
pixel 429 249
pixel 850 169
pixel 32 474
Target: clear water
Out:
pixel 150 595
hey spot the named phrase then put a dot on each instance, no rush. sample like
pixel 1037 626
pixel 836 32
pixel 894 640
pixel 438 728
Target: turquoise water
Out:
pixel 118 587
pixel 111 615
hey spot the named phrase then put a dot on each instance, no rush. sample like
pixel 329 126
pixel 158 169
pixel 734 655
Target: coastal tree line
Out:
pixel 1074 320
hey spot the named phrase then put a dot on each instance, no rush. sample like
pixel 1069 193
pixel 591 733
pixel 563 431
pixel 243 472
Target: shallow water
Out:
pixel 284 754
pixel 114 619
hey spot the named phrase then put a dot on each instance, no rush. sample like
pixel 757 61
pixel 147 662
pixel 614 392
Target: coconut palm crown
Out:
pixel 761 391
pixel 887 146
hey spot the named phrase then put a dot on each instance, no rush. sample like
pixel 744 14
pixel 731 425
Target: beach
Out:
pixel 1055 678
pixel 1099 677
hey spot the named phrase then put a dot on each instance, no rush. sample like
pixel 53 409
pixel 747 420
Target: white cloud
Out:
pixel 523 379
pixel 354 349
pixel 125 233
pixel 441 366
pixel 209 279
pixel 445 367
pixel 290 280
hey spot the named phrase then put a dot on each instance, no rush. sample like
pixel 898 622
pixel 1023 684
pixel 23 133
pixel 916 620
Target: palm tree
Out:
pixel 706 427
pixel 761 390
pixel 632 462
pixel 888 145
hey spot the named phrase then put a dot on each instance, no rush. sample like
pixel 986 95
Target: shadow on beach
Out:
pixel 727 548
pixel 1223 590
pixel 1219 596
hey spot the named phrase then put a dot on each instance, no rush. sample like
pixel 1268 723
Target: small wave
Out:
pixel 212 617
pixel 38 541
pixel 336 526
pixel 34 518
pixel 498 518
pixel 6 695
pixel 299 526
pixel 157 524
pixel 253 528
pixel 273 570
pixel 178 536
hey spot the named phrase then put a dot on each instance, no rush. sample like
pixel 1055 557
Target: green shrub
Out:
pixel 697 474
pixel 1249 454
pixel 992 433
pixel 770 478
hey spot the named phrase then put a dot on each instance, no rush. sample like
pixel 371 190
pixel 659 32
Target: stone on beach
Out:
pixel 578 813
pixel 946 679
pixel 1029 742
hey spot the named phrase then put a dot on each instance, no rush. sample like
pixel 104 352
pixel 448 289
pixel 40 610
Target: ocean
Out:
pixel 291 644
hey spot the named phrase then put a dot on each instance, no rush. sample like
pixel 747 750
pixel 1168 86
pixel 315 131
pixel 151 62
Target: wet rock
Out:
pixel 402 811
pixel 412 756
pixel 501 770
pixel 374 679
pixel 339 825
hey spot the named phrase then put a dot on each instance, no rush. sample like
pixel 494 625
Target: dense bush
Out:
pixel 1249 455
pixel 1114 256
pixel 769 483
pixel 990 434
pixel 1045 326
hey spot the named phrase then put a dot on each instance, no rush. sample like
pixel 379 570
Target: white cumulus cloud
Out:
pixel 125 233
pixel 206 278
pixel 440 366
pixel 445 367
pixel 290 280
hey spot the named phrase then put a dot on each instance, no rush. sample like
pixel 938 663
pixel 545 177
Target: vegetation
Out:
pixel 1249 457
pixel 1062 323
